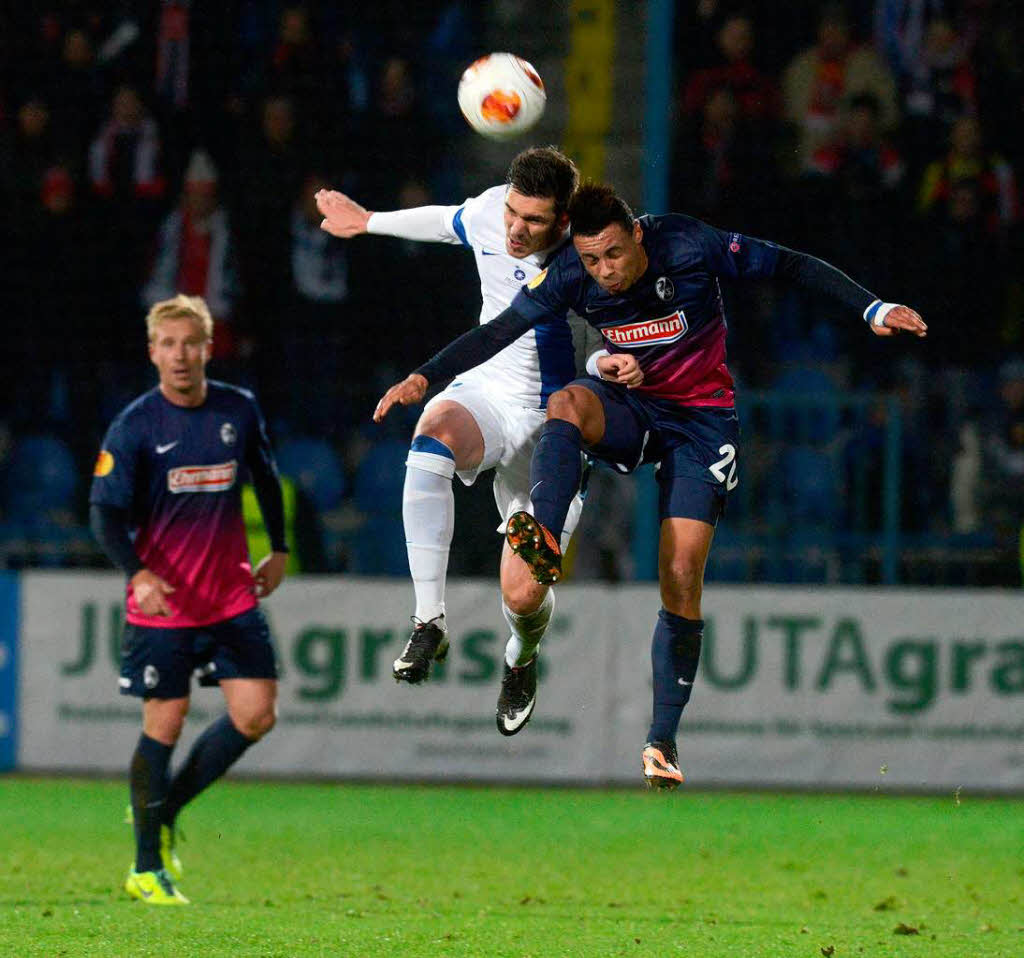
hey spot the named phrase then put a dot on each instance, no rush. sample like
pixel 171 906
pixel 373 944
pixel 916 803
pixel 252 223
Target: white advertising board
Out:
pixel 797 687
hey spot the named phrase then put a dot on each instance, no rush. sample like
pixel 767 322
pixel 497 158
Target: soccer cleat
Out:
pixel 517 697
pixel 661 765
pixel 168 856
pixel 154 888
pixel 428 643
pixel 536 546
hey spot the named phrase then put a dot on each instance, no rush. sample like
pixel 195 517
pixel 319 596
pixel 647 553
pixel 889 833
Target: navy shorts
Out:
pixel 159 663
pixel 695 448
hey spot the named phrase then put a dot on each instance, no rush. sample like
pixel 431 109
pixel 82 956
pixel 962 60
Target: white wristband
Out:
pixel 592 362
pixel 875 314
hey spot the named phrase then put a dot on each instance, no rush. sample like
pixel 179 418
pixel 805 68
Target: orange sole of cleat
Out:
pixel 529 540
pixel 660 774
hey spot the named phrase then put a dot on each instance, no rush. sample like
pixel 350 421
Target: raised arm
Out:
pixel 470 349
pixel 344 217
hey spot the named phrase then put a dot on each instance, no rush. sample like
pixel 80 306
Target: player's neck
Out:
pixel 187 399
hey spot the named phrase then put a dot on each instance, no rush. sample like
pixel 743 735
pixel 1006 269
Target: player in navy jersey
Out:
pixel 661 393
pixel 166 508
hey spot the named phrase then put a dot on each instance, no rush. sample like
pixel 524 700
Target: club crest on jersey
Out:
pixel 228 434
pixel 519 274
pixel 649 332
pixel 217 478
pixel 665 288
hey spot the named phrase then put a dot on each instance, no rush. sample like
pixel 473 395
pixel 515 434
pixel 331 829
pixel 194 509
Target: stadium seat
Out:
pixel 810 487
pixel 316 466
pixel 380 477
pixel 41 477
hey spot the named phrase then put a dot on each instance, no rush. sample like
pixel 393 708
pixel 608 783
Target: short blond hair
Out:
pixel 180 307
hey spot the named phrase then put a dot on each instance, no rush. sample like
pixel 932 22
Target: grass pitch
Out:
pixel 284 870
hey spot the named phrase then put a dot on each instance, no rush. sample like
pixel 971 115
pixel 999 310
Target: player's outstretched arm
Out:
pixel 885 319
pixel 342 216
pixel 470 349
pixel 410 390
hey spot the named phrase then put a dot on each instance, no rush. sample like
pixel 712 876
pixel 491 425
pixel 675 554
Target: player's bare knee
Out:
pixel 578 405
pixel 257 724
pixel 523 598
pixel 682 583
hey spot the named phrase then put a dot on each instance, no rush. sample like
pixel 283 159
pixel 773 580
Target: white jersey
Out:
pixel 543 359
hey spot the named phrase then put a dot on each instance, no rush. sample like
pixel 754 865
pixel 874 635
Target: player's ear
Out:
pixel 562 221
pixel 638 232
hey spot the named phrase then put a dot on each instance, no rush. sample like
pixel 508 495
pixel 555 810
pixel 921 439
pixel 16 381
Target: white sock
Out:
pixel 527 630
pixel 428 512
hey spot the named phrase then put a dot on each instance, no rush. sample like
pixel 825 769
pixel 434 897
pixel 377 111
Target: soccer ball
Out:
pixel 501 96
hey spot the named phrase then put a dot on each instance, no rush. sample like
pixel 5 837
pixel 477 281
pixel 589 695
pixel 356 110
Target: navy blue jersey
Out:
pixel 672 319
pixel 176 471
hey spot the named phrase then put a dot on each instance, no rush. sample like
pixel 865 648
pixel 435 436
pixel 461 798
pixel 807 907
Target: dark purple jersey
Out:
pixel 176 471
pixel 672 319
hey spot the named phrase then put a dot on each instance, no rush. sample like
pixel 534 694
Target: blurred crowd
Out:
pixel 885 137
pixel 151 148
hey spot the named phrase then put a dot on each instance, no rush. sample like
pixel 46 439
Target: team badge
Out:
pixel 734 243
pixel 519 274
pixel 150 677
pixel 537 280
pixel 664 288
pixel 104 464
pixel 228 434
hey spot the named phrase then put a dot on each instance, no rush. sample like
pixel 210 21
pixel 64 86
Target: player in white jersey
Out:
pixel 489 417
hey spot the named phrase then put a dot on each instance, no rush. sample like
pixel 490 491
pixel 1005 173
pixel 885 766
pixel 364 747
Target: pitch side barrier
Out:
pixel 798 687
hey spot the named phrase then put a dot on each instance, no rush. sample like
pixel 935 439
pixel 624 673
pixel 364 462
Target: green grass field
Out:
pixel 293 870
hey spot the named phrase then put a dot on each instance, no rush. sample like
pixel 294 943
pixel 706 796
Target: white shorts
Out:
pixel 510 433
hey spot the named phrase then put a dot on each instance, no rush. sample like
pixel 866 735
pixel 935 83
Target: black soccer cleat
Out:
pixel 517 697
pixel 427 643
pixel 661 765
pixel 536 546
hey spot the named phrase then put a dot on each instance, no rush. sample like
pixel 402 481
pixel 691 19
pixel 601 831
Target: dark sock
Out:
pixel 214 752
pixel 675 652
pixel 555 473
pixel 149 793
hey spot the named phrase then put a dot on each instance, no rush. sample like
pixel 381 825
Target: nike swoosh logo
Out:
pixel 144 893
pixel 592 309
pixel 684 682
pixel 518 721
pixel 487 252
pixel 166 447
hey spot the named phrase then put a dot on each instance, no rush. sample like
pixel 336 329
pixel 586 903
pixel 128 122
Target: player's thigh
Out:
pixel 157 663
pixel 239 648
pixel 519 590
pixel 627 427
pixel 478 416
pixel 454 425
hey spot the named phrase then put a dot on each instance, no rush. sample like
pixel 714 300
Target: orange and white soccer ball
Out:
pixel 501 96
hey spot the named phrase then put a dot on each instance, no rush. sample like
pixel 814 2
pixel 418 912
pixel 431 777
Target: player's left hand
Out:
pixel 901 319
pixel 410 390
pixel 269 573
